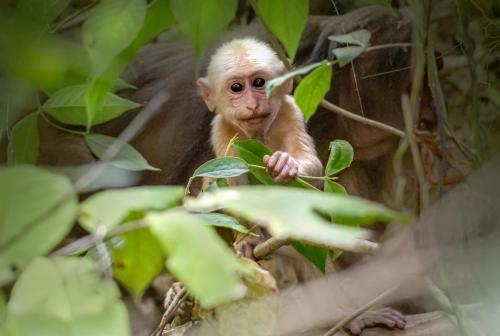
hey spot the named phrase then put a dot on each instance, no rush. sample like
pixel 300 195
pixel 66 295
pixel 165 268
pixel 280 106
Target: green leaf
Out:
pixel 111 207
pixel 222 167
pixel 312 89
pixel 24 146
pixel 275 83
pixel 203 20
pixel 316 255
pixel 286 19
pixel 126 158
pixel 221 220
pixel 68 106
pixel 110 29
pixel 137 260
pixel 198 257
pixel 253 151
pixel 291 213
pixel 37 210
pixel 360 39
pixel 334 187
pixel 40 11
pixel 66 296
pixel 159 18
pixel 121 84
pixel 341 156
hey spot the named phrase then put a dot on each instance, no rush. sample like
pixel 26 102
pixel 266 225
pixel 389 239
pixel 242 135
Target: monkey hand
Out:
pixel 281 166
pixel 387 317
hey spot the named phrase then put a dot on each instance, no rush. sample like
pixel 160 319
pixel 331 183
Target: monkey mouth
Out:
pixel 255 119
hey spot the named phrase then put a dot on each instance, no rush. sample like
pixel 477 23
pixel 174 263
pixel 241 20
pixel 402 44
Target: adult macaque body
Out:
pixel 234 88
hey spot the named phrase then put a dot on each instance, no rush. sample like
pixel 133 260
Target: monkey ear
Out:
pixel 206 93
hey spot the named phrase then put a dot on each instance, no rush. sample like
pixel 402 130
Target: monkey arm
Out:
pixel 297 142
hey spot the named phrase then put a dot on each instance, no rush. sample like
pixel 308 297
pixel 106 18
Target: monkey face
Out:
pixel 245 102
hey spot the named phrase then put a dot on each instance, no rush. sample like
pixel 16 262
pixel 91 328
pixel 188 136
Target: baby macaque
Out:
pixel 234 88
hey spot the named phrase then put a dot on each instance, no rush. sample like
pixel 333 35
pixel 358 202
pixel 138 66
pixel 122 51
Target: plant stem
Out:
pixel 320 178
pixel 61 128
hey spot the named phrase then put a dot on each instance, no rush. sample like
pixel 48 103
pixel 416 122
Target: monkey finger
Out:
pixel 266 158
pixel 273 159
pixel 284 176
pixel 282 163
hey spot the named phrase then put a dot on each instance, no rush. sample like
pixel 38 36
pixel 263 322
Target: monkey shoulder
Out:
pixel 291 111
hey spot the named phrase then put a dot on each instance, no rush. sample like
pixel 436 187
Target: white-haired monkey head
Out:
pixel 235 84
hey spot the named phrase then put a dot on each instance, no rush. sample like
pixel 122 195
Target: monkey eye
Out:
pixel 236 87
pixel 259 82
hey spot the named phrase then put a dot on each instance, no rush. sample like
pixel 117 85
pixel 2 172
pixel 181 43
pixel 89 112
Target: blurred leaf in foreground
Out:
pixel 111 207
pixel 300 214
pixel 199 258
pixel 37 210
pixel 65 296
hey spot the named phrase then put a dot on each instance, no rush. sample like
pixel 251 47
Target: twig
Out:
pixel 51 123
pixel 268 247
pixel 360 311
pixel 272 244
pixel 365 121
pixel 417 160
pixel 168 315
pixel 79 16
pixel 88 241
pixel 128 134
pixel 321 178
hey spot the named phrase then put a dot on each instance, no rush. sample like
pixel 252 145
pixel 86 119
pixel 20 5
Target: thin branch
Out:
pixel 169 312
pixel 417 160
pixel 268 247
pixel 61 128
pixel 365 121
pixel 82 244
pixel 346 320
pixel 125 137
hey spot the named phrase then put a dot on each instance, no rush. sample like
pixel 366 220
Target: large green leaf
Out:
pixel 357 42
pixel 68 106
pixel 126 158
pixel 37 210
pixel 222 167
pixel 40 11
pixel 112 27
pixel 290 213
pixel 203 20
pixel 312 89
pixel 66 296
pixel 286 19
pixel 111 207
pixel 198 257
pixel 253 151
pixel 137 260
pixel 221 220
pixel 159 18
pixel 274 83
pixel 341 156
pixel 24 145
